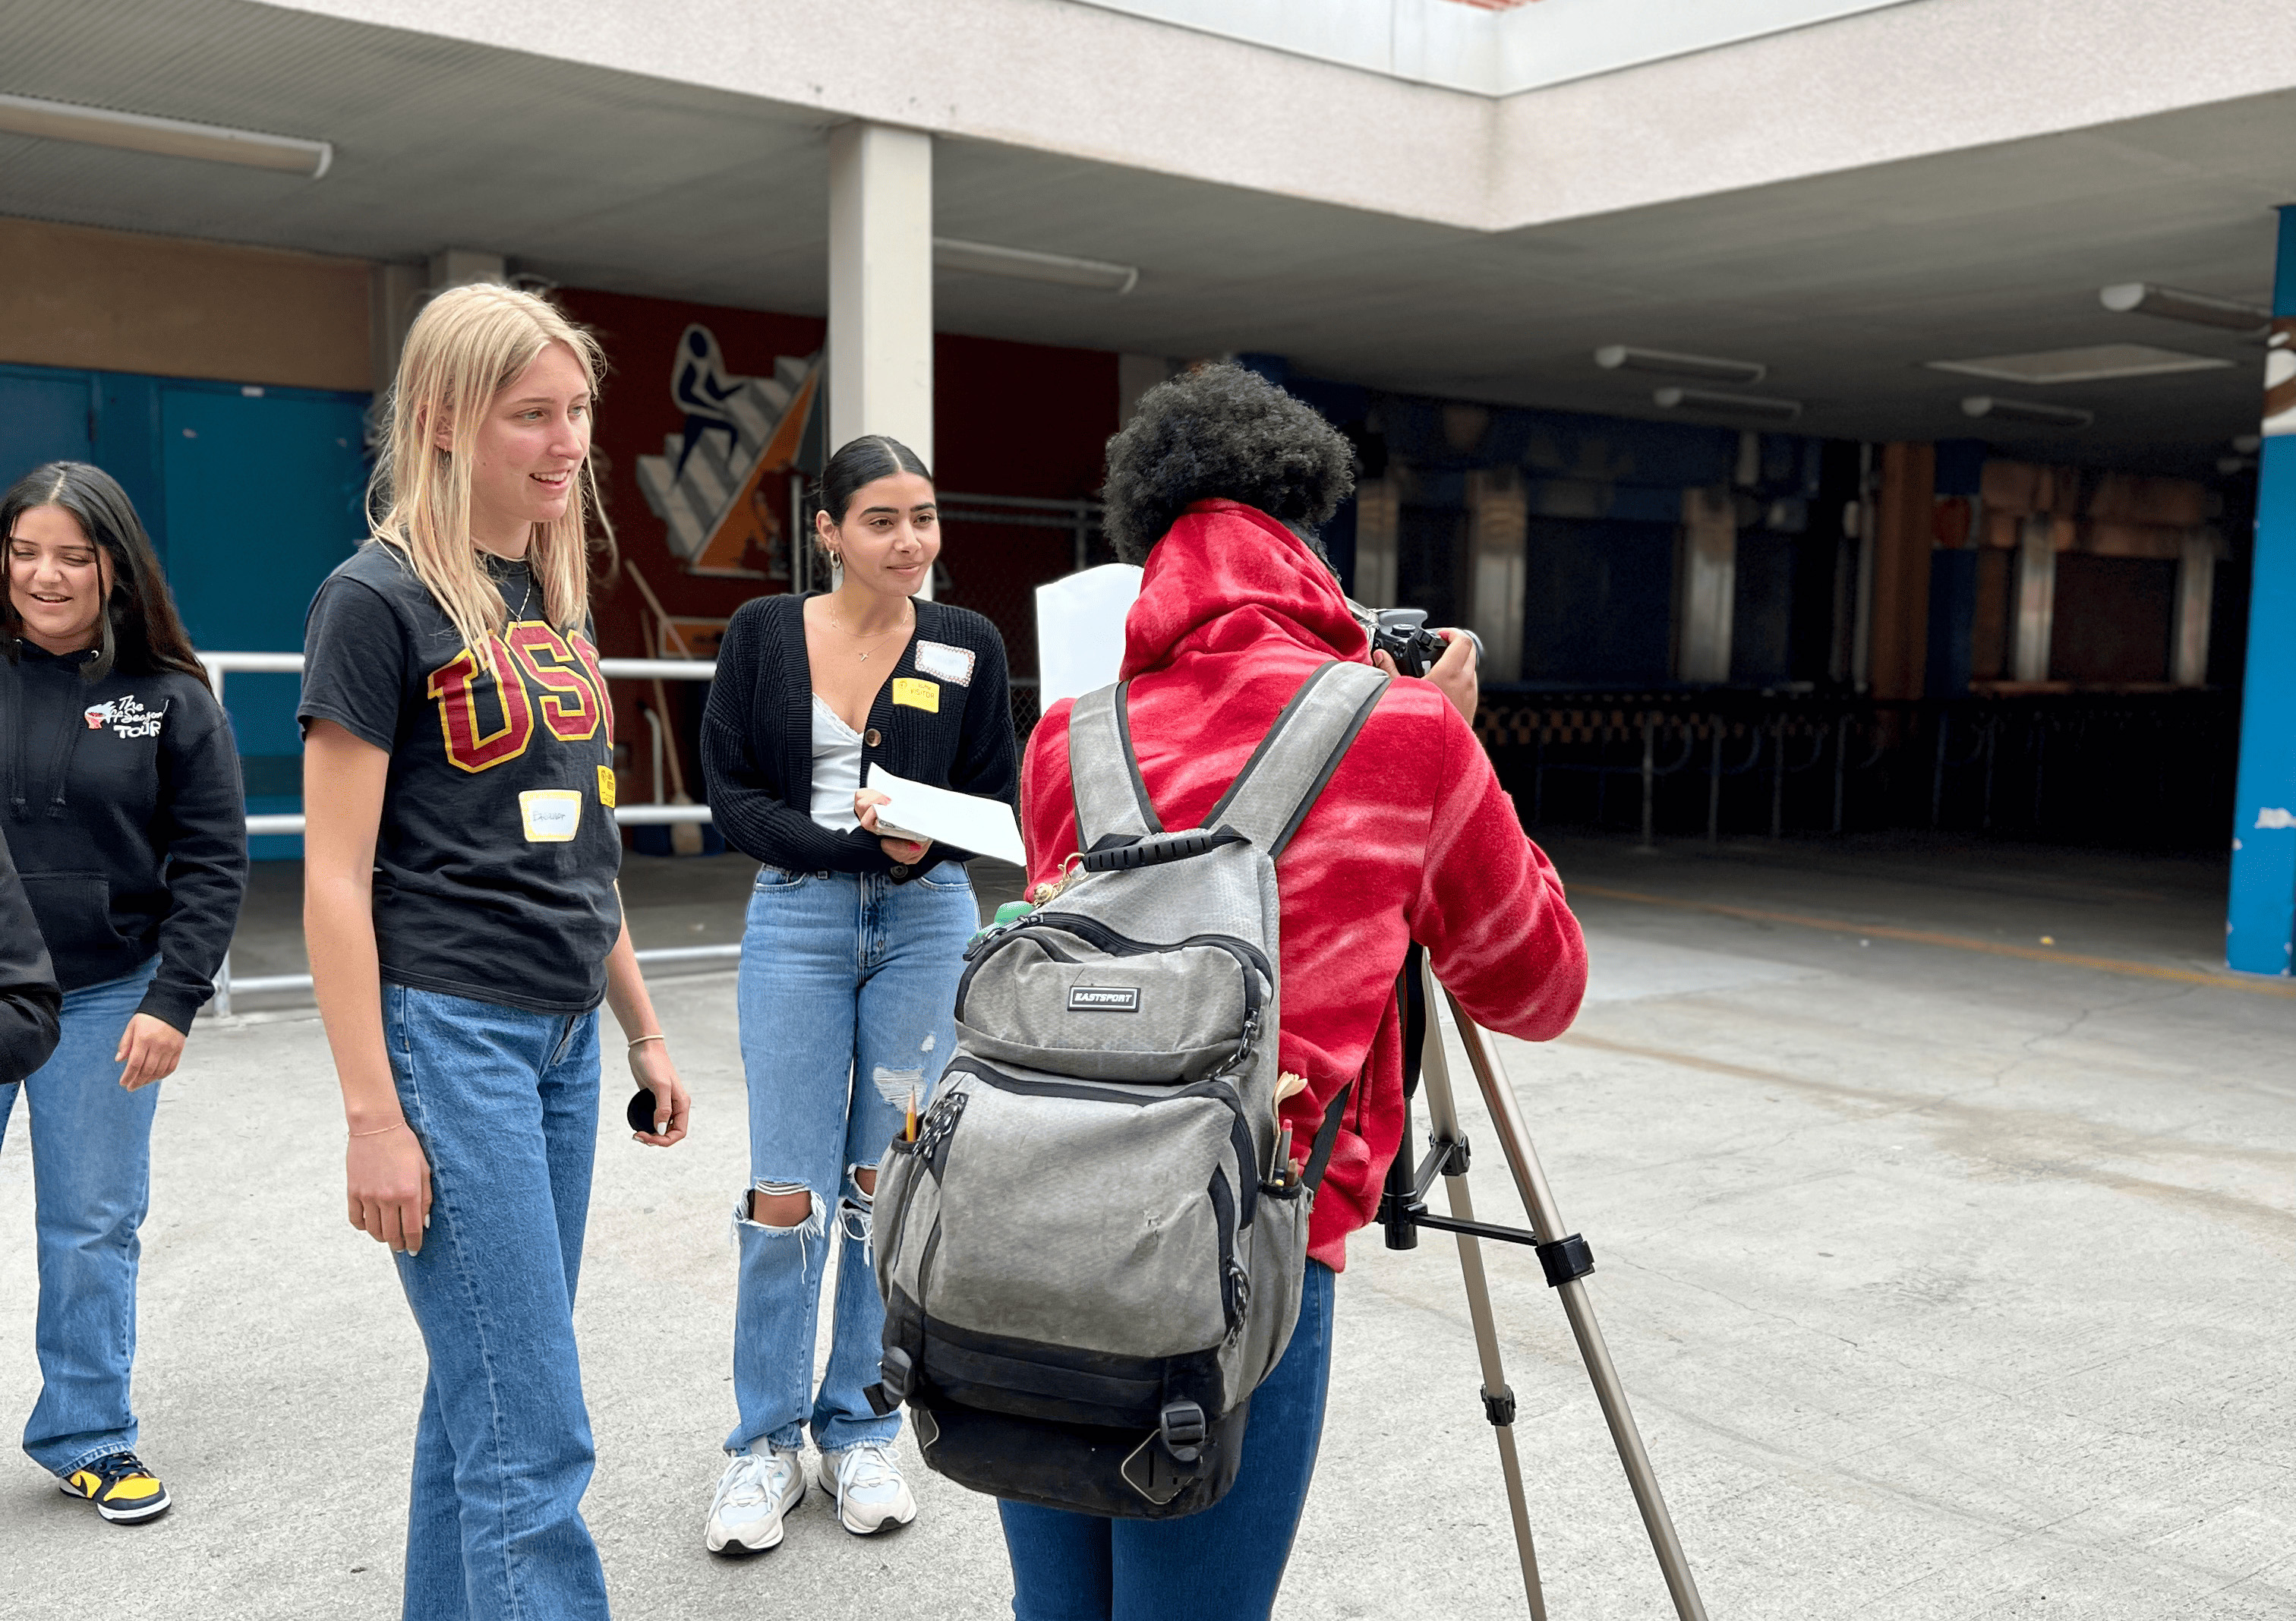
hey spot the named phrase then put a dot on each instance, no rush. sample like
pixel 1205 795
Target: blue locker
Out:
pixel 265 495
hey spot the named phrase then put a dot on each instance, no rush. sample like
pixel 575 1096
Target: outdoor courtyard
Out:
pixel 1943 1202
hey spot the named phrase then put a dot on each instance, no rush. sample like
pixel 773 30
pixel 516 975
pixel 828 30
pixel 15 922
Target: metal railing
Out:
pixel 219 665
pixel 2144 770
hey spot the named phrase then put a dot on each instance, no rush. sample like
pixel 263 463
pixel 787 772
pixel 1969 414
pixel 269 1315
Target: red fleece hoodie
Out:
pixel 1412 837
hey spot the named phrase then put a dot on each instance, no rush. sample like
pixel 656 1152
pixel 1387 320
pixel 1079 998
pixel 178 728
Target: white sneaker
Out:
pixel 757 1491
pixel 865 1487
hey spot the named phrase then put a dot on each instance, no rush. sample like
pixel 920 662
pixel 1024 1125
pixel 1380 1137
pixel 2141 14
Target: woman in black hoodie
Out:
pixel 123 811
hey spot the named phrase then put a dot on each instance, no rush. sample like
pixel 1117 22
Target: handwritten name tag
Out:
pixel 953 664
pixel 917 694
pixel 552 815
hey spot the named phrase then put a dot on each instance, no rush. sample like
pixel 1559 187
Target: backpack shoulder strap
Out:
pixel 1103 772
pixel 1272 795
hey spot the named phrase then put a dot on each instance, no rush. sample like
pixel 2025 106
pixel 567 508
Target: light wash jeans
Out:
pixel 92 1183
pixel 505 1104
pixel 848 993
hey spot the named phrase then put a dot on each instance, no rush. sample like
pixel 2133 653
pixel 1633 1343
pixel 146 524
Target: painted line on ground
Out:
pixel 2225 981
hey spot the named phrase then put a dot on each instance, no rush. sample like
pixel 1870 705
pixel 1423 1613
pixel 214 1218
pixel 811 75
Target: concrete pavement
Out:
pixel 1947 1284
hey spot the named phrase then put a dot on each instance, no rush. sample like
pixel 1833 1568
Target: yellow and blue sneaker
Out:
pixel 123 1491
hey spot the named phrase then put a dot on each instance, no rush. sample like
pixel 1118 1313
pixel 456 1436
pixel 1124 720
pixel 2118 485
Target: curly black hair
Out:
pixel 1222 432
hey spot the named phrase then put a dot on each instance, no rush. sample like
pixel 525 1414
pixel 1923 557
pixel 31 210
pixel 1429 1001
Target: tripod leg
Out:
pixel 1546 1224
pixel 1499 1399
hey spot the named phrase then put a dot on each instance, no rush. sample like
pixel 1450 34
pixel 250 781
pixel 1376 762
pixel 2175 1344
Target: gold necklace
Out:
pixel 879 636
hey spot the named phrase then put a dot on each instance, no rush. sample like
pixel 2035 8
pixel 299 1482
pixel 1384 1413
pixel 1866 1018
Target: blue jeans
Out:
pixel 1221 1565
pixel 848 995
pixel 92 1183
pixel 505 1104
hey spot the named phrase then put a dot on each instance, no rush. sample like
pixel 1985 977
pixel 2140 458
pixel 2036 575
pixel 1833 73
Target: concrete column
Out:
pixel 1900 640
pixel 1136 374
pixel 1706 584
pixel 394 297
pixel 2036 598
pixel 2261 915
pixel 1379 520
pixel 459 266
pixel 880 290
pixel 1499 515
pixel 2196 592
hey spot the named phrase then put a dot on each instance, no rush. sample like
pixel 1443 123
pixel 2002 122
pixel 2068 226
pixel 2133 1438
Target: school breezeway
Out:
pixel 1947 1265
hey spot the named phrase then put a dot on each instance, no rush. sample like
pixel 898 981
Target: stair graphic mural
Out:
pixel 707 485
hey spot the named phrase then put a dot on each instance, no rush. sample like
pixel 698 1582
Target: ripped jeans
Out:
pixel 847 995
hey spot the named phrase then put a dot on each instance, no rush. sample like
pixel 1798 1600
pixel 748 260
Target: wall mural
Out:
pixel 719 486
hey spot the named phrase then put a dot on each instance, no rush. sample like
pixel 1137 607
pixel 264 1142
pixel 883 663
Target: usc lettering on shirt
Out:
pixel 487 714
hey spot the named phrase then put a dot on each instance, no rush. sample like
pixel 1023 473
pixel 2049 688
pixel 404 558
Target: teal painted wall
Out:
pixel 251 495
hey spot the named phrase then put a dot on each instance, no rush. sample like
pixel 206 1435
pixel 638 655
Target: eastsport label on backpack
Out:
pixel 1090 1256
pixel 1103 999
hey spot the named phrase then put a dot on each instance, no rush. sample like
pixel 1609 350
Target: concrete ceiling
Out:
pixel 1842 284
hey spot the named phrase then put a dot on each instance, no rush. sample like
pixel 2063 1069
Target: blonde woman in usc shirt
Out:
pixel 464 925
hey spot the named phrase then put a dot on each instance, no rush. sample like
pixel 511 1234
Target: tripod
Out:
pixel 1566 1259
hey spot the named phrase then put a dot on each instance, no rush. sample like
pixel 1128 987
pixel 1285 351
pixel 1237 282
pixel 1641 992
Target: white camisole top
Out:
pixel 836 769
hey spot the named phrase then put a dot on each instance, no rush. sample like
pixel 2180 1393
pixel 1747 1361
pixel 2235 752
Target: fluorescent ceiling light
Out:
pixel 986 258
pixel 1726 404
pixel 2176 304
pixel 2094 363
pixel 1666 362
pixel 135 132
pixel 2026 411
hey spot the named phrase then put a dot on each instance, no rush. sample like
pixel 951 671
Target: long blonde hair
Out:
pixel 467 345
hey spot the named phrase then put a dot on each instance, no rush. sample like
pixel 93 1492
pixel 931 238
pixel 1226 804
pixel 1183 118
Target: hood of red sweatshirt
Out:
pixel 1226 578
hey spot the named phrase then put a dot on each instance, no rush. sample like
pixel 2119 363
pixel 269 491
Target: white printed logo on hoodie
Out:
pixel 127 717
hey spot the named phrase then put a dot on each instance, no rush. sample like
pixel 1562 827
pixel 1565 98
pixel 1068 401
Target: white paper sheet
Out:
pixel 1081 631
pixel 916 810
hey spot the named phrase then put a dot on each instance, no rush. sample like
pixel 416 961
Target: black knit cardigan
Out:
pixel 756 735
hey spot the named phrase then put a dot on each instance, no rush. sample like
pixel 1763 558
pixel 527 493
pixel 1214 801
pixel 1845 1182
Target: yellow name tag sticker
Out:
pixel 606 786
pixel 917 694
pixel 552 815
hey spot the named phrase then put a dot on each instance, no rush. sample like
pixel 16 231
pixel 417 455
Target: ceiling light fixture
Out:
pixel 2176 304
pixel 1726 404
pixel 986 258
pixel 136 132
pixel 2091 363
pixel 2026 411
pixel 1616 357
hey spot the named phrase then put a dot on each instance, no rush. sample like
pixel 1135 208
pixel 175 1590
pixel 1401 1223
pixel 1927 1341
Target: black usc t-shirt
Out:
pixel 495 864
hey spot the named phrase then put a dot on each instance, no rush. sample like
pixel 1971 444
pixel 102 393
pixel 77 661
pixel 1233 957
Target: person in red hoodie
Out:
pixel 1220 482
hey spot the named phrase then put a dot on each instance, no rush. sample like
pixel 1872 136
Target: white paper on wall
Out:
pixel 1081 630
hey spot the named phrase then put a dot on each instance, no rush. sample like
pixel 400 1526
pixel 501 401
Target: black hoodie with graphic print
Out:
pixel 123 810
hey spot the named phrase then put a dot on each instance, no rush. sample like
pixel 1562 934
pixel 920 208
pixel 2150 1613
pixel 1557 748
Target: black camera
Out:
pixel 1402 635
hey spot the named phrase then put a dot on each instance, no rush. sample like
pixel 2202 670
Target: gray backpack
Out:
pixel 1093 1249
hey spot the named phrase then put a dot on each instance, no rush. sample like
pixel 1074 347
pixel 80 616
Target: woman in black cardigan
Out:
pixel 850 961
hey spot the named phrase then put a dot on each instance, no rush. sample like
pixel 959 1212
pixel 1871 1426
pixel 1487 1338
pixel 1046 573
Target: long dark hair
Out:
pixel 139 632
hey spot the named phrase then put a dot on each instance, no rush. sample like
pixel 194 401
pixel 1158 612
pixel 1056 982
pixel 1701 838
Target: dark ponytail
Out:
pixel 138 631
pixel 864 461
